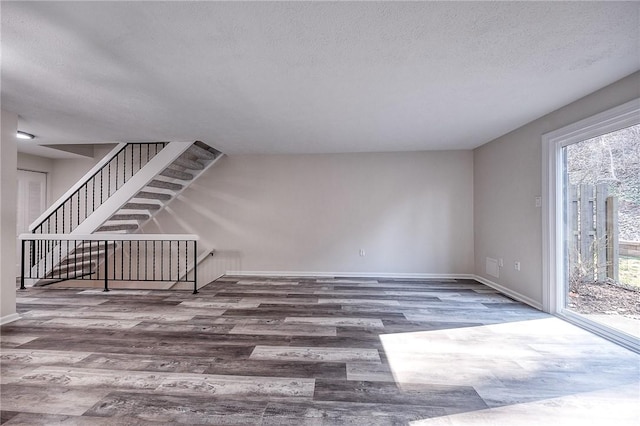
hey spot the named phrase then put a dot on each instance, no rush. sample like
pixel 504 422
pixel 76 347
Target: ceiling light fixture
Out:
pixel 24 135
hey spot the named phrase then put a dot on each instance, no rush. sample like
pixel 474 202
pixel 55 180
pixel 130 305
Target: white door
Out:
pixel 32 201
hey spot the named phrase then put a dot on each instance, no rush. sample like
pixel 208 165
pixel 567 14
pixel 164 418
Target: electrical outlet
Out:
pixel 538 201
pixel 501 262
pixel 516 265
pixel 362 253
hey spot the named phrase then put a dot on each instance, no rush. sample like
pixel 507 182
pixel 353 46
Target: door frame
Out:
pixel 44 206
pixel 553 232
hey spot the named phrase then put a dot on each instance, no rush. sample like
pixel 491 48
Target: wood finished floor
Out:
pixel 287 351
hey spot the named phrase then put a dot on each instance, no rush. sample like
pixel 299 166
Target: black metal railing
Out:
pixel 98 188
pixel 104 257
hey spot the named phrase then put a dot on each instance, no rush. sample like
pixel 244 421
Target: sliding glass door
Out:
pixel 591 227
pixel 601 211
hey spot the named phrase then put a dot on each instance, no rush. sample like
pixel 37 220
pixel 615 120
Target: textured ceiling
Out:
pixel 306 77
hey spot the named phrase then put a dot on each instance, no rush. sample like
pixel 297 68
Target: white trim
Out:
pixel 109 237
pixel 9 318
pixel 100 164
pixel 182 285
pixel 349 274
pixel 513 294
pixel 604 331
pixel 607 121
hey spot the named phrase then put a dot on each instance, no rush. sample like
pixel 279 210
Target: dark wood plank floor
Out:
pixel 299 351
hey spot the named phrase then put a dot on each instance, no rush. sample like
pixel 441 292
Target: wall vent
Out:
pixel 492 267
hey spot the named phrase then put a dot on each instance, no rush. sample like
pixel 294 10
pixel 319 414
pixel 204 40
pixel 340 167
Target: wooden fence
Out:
pixel 629 248
pixel 591 218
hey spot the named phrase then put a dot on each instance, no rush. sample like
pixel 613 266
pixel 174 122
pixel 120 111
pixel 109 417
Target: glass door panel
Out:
pixel 601 212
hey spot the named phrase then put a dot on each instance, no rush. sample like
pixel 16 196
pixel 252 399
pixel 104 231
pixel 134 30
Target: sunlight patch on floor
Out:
pixel 542 364
pixel 582 409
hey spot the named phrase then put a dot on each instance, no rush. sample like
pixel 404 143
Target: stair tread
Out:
pixel 201 152
pixel 133 216
pixel 153 195
pixel 176 174
pixel 68 275
pixel 71 261
pixel 93 245
pixel 165 185
pixel 141 206
pixel 123 227
pixel 184 161
pixel 204 146
pixel 81 257
pixel 78 256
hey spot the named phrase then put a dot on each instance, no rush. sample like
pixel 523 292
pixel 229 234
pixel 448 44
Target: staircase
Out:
pixel 158 192
pixel 96 218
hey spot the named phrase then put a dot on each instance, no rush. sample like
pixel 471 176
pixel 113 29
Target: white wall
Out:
pixel 507 178
pixel 66 172
pixel 8 167
pixel 410 212
pixel 36 163
pixel 61 173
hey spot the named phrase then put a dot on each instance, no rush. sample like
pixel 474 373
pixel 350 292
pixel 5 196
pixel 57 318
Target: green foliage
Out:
pixel 630 270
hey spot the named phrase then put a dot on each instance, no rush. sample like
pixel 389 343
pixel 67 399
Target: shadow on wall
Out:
pixel 214 266
pixel 377 213
pixel 191 213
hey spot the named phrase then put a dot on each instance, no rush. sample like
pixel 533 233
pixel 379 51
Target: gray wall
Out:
pixel 507 178
pixel 62 174
pixel 411 213
pixel 35 163
pixel 8 164
pixel 66 172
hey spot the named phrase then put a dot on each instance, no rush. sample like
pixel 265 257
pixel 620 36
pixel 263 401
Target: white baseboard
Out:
pixel 513 294
pixel 9 318
pixel 349 274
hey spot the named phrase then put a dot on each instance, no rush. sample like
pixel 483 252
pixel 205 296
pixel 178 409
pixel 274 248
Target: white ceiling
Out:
pixel 306 77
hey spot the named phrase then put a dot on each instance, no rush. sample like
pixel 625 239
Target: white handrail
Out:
pixel 60 201
pixel 109 237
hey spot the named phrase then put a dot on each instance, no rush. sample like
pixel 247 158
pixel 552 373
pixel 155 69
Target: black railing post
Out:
pixel 33 252
pixel 195 267
pixel 22 287
pixel 106 269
